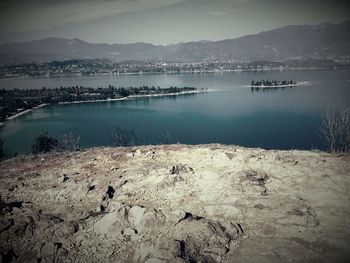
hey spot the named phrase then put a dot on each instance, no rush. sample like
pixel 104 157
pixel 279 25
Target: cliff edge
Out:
pixel 176 203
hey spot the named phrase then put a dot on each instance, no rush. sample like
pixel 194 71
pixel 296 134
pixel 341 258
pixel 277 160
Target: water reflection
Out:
pixel 266 89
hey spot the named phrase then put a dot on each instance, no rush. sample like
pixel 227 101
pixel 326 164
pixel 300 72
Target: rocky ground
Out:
pixel 176 203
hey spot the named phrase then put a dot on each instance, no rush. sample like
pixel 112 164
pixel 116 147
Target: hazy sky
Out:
pixel 159 21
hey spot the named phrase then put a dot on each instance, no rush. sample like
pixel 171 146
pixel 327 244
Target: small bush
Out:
pixel 2 154
pixel 45 143
pixel 165 138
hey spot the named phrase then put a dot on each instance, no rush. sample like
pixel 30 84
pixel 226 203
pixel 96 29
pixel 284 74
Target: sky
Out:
pixel 159 21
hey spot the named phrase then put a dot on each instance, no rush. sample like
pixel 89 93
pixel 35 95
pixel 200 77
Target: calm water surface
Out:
pixel 231 114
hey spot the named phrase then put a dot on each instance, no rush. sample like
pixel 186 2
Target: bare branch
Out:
pixel 335 130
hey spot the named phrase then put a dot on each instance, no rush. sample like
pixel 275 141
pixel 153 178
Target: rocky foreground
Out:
pixel 176 203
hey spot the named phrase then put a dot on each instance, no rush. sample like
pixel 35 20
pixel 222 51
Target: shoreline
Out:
pixel 132 97
pixel 25 112
pixel 169 73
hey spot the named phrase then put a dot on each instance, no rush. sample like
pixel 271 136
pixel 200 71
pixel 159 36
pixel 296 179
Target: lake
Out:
pixel 230 114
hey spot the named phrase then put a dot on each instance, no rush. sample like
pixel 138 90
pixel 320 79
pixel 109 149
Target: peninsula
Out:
pixel 14 103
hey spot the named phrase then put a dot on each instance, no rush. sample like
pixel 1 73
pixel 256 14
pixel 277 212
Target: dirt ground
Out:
pixel 176 203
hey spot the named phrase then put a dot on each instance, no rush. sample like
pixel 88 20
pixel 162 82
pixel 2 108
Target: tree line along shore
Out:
pixel 17 102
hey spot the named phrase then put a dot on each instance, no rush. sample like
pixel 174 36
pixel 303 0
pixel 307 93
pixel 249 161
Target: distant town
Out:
pixel 19 101
pixel 91 67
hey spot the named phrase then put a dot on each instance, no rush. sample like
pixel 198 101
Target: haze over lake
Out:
pixel 230 114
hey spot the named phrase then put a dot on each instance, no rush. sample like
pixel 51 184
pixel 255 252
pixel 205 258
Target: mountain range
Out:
pixel 322 41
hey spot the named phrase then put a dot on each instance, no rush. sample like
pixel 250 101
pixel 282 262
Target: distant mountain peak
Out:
pixel 322 41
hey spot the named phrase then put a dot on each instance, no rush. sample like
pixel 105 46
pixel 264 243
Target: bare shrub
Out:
pixel 335 130
pixel 2 155
pixel 70 143
pixel 166 138
pixel 123 138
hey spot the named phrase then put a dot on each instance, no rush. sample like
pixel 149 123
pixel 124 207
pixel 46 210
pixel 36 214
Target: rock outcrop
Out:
pixel 175 203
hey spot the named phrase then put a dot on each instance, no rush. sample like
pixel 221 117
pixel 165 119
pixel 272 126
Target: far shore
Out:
pixel 132 97
pixel 168 73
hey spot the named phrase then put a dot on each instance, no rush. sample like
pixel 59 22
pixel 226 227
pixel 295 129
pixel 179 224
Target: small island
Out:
pixel 273 84
pixel 14 103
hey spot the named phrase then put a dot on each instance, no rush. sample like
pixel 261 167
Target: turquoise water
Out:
pixel 230 114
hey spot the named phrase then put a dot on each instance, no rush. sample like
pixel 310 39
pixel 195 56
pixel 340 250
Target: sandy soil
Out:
pixel 176 203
